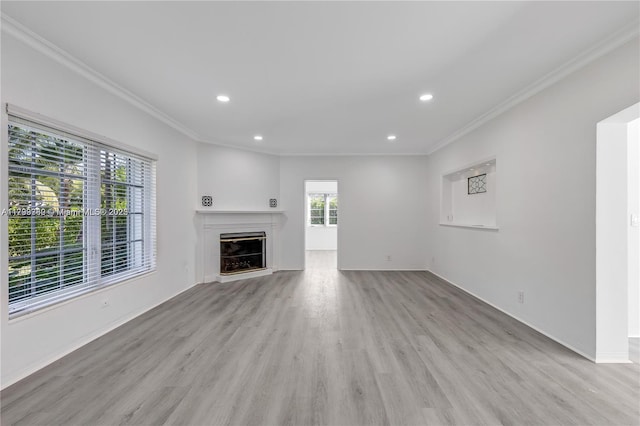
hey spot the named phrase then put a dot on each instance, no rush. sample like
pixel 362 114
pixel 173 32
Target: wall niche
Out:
pixel 468 196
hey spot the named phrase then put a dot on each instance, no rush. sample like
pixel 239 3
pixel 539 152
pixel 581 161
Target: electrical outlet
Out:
pixel 388 258
pixel 521 296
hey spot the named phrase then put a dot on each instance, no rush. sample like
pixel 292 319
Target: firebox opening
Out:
pixel 242 252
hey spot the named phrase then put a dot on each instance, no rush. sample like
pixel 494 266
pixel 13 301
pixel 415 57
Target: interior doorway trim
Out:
pixel 614 135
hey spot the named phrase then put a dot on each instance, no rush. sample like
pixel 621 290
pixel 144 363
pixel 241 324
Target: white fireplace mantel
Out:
pixel 272 211
pixel 211 223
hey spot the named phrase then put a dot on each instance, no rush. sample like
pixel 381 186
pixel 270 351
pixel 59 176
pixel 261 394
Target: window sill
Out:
pixel 24 315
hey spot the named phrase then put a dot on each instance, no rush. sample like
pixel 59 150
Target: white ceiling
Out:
pixel 324 77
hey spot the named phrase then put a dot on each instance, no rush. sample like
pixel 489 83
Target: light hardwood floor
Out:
pixel 325 347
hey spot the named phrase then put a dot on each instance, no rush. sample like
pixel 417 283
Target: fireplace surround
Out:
pixel 212 224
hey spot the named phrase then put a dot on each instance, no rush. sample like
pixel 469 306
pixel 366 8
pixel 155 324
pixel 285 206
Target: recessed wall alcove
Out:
pixel 468 196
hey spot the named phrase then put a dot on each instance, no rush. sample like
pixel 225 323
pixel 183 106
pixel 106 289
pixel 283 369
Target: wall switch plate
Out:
pixel 521 297
pixel 635 220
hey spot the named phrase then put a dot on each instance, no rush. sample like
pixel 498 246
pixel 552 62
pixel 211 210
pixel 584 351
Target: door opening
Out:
pixel 618 237
pixel 321 224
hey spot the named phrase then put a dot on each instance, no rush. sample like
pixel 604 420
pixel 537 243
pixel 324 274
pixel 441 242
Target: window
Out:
pixel 81 215
pixel 322 206
pixel 332 205
pixel 316 209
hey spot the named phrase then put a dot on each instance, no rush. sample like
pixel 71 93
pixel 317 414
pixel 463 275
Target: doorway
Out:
pixel 618 237
pixel 321 224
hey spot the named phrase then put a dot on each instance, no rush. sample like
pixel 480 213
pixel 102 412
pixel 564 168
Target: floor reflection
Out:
pixel 321 259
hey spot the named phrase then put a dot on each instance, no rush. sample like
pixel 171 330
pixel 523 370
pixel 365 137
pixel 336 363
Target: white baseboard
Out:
pixel 29 370
pixel 566 345
pixel 613 358
pixel 384 269
pixel 364 269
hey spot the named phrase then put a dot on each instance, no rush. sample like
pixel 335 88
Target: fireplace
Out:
pixel 214 226
pixel 242 252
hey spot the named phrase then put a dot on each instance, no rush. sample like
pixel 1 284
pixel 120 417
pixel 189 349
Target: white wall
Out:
pixel 237 180
pixel 633 146
pixel 33 81
pixel 321 237
pixel 382 209
pixel 545 205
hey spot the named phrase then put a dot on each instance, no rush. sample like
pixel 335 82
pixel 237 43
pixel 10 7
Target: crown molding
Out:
pixel 239 147
pixel 15 29
pixel 355 154
pixel 20 32
pixel 615 40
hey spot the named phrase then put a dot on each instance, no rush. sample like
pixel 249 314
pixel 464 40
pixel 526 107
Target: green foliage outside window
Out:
pixel 47 252
pixel 333 211
pixel 316 209
pixel 322 206
pixel 114 229
pixel 44 173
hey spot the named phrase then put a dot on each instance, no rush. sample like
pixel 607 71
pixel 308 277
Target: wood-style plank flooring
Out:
pixel 329 348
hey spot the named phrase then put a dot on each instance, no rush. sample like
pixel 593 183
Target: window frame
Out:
pixel 327 197
pixel 92 279
pixel 112 278
pixel 329 209
pixel 310 197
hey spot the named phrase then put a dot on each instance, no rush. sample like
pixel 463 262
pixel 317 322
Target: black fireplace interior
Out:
pixel 242 252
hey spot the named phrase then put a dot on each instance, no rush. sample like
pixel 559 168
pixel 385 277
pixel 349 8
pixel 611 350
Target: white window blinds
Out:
pixel 81 214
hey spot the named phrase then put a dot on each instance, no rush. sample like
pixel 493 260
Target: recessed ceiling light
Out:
pixel 223 98
pixel 257 137
pixel 391 137
pixel 426 97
